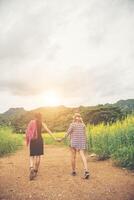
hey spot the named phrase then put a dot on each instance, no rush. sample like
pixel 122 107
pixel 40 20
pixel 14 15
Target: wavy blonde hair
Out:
pixel 78 115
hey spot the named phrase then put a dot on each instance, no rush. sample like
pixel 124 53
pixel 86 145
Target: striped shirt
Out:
pixel 77 133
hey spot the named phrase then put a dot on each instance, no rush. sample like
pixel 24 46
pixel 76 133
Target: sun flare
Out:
pixel 51 98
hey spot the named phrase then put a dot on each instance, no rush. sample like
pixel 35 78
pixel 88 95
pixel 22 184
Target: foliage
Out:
pixel 115 140
pixel 9 142
pixel 58 118
pixel 105 114
pixel 124 157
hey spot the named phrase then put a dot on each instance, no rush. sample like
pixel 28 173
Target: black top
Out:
pixel 39 128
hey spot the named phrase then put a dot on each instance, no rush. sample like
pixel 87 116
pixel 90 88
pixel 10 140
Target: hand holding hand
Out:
pixel 58 139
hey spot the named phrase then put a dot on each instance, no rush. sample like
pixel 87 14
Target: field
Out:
pixel 115 141
pixel 9 142
pixel 54 181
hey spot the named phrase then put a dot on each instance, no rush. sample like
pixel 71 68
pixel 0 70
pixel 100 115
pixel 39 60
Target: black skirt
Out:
pixel 36 147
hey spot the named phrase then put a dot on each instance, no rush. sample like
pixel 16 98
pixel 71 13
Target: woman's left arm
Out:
pixel 48 130
pixel 69 131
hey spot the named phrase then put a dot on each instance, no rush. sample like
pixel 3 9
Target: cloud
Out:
pixel 85 49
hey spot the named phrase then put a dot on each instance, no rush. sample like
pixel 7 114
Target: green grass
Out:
pixel 9 142
pixel 116 141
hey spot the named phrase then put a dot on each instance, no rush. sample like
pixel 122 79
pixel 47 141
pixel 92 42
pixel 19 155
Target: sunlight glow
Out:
pixel 51 98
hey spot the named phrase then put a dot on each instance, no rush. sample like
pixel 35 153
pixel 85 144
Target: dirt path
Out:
pixel 54 180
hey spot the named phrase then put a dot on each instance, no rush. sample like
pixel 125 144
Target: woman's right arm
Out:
pixel 48 130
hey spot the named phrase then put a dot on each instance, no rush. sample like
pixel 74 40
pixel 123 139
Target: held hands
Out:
pixel 58 139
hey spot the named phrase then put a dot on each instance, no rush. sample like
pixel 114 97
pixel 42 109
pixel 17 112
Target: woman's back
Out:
pixel 77 135
pixel 39 128
pixel 78 128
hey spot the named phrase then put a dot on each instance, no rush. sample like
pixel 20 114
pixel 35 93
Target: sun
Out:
pixel 51 98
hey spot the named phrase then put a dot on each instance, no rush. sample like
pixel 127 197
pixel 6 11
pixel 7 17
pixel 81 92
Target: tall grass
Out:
pixel 9 142
pixel 116 141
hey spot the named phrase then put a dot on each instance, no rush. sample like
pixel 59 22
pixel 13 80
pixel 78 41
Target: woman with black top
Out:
pixel 35 141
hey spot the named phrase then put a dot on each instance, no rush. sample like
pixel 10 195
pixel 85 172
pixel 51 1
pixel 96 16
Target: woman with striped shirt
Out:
pixel 77 133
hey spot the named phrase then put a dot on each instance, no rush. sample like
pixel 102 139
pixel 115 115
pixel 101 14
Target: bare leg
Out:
pixel 31 175
pixel 84 160
pixel 73 159
pixel 31 161
pixel 37 163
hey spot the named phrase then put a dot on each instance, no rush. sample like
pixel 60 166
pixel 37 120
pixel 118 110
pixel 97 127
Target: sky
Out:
pixel 74 52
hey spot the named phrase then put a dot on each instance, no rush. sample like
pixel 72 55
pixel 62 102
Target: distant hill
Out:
pixel 11 114
pixel 14 112
pixel 126 105
pixel 58 118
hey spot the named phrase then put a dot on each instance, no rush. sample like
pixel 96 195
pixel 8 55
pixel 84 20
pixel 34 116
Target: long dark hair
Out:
pixel 38 118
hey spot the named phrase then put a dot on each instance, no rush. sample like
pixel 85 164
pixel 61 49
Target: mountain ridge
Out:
pixel 58 118
pixel 128 103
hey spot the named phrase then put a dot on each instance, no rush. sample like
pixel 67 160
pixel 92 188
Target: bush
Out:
pixel 115 140
pixel 9 142
pixel 124 157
